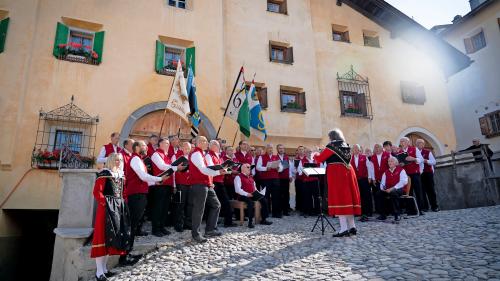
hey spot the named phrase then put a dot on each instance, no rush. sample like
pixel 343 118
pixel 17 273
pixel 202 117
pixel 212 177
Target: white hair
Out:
pixel 214 142
pixel 405 138
pixel 394 158
pixel 356 145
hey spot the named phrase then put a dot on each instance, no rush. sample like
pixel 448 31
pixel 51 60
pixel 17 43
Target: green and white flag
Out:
pixel 238 109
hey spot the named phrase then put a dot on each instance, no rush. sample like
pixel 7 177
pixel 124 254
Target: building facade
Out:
pixel 318 64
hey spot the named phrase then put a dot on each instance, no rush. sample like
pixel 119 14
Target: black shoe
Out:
pixel 364 218
pixel 381 218
pixel 278 216
pixel 342 234
pixel 231 225
pixel 213 233
pixel 158 233
pixel 397 218
pixel 353 231
pixel 142 233
pixel 266 222
pixel 421 213
pixel 436 209
pixel 128 260
pixel 101 278
pixel 109 274
pixel 251 225
pixel 165 231
pixel 137 257
pixel 425 210
pixel 200 239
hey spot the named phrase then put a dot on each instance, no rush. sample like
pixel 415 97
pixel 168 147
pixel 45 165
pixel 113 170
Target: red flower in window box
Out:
pixel 95 55
pixel 75 45
pixel 62 46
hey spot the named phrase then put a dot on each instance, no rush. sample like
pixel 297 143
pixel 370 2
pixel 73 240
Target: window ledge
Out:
pixel 285 14
pixel 293 111
pixel 79 59
pixel 377 47
pixel 355 115
pixel 348 42
pixel 282 62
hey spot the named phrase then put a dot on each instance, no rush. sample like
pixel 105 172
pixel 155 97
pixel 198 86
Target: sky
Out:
pixel 431 12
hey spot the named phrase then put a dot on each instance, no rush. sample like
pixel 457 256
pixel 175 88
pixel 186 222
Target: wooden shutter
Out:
pixel 469 47
pixel 4 24
pixel 361 103
pixel 62 32
pixel 302 101
pixel 289 55
pixel 191 59
pixel 485 126
pixel 341 98
pixel 270 51
pixel 160 55
pixel 99 45
pixel 283 8
pixel 262 94
pixel 346 36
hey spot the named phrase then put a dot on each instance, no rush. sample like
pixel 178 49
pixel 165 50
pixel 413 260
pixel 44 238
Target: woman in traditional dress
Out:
pixel 111 227
pixel 343 192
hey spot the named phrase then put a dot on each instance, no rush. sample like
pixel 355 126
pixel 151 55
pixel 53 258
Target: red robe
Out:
pixel 343 191
pixel 99 248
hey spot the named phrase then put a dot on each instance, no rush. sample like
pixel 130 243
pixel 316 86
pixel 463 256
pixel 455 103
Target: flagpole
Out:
pixel 234 140
pixel 232 93
pixel 165 111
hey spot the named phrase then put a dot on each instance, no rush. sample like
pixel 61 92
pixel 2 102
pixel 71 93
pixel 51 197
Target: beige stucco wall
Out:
pixel 476 88
pixel 226 34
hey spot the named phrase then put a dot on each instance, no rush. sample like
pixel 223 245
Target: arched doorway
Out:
pixel 431 142
pixel 147 120
pixel 415 136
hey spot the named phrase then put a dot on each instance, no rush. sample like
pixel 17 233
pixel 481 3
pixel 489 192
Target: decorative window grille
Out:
pixel 354 95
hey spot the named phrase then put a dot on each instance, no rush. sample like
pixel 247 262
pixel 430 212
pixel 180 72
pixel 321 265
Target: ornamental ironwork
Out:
pixel 354 95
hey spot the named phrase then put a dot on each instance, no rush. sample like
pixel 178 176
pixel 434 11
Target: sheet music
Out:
pixel 314 171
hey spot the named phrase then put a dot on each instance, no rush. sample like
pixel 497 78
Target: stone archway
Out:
pixel 147 120
pixel 431 140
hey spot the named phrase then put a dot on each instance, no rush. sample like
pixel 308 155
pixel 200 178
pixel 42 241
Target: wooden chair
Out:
pixel 241 206
pixel 406 195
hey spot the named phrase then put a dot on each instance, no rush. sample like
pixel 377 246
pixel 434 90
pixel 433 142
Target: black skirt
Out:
pixel 117 223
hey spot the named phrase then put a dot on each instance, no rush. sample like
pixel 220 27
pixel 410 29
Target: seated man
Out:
pixel 391 186
pixel 245 187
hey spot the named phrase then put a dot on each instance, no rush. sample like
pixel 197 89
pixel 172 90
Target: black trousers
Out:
pixel 429 190
pixel 393 197
pixel 298 195
pixel 365 192
pixel 285 195
pixel 375 190
pixel 136 205
pixel 161 196
pixel 310 197
pixel 182 218
pixel 264 211
pixel 273 196
pixel 416 189
pixel 199 197
pixel 223 197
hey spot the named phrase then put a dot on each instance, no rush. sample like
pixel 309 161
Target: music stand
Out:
pixel 318 172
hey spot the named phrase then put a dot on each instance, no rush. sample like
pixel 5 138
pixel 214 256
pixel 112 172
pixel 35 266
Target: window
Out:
pixel 277 6
pixel 169 51
pixel 352 103
pixel 354 95
pixel 177 3
pixel 80 40
pixel 340 33
pixel 71 139
pixel 371 39
pixel 172 57
pixel 412 92
pixel 280 52
pixel 292 99
pixel 490 124
pixel 261 91
pixel 475 43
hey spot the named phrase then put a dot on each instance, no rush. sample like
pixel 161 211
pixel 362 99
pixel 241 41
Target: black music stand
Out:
pixel 318 172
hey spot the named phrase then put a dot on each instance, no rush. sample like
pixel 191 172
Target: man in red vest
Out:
pixel 412 169
pixel 174 148
pixel 161 194
pixel 391 186
pixel 182 218
pixel 152 144
pixel 285 179
pixel 202 192
pixel 379 165
pixel 109 148
pixel 269 175
pixel 361 166
pixel 243 156
pixel 127 156
pixel 427 176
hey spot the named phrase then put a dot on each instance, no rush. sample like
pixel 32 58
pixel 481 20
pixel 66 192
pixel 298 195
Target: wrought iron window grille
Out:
pixel 354 95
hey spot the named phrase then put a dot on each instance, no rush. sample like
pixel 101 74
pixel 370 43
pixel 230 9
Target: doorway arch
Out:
pixel 136 123
pixel 429 138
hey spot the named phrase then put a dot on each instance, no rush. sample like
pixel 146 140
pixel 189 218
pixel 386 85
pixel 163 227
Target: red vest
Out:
pixel 391 179
pixel 171 152
pixel 427 168
pixel 361 170
pixel 134 184
pixel 303 177
pixel 195 175
pixel 271 174
pixel 151 150
pixel 413 167
pixel 285 174
pixel 244 159
pixel 216 160
pixel 157 171
pixel 247 183
pixel 384 165
pixel 109 149
pixel 126 169
pixel 182 177
pixel 229 178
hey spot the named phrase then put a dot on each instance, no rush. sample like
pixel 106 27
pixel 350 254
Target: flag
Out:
pixel 237 108
pixel 178 101
pixel 257 125
pixel 194 118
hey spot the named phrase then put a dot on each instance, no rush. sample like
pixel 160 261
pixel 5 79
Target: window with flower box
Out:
pixel 354 95
pixel 292 99
pixel 76 44
pixel 168 56
pixel 4 25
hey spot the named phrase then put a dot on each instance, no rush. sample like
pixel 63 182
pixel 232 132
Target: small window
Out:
pixel 80 40
pixel 371 39
pixel 172 57
pixel 490 124
pixel 353 104
pixel 292 100
pixel 340 33
pixel 475 43
pixel 277 6
pixel 177 3
pixel 279 52
pixel 70 138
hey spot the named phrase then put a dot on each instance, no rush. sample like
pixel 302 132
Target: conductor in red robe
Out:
pixel 343 192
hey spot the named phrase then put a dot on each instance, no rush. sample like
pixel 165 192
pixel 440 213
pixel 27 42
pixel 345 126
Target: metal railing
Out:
pixel 466 157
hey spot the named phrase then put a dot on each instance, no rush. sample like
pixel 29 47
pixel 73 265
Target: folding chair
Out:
pixel 406 195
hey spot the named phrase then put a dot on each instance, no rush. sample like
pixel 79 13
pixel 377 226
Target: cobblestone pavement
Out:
pixel 449 245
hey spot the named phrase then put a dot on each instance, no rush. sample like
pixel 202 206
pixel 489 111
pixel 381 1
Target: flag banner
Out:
pixel 257 125
pixel 238 109
pixel 195 117
pixel 178 101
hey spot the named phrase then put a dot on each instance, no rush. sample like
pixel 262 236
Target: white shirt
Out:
pixel 197 159
pixel 261 168
pixel 140 169
pixel 156 158
pixel 101 158
pixel 290 165
pixel 403 180
pixel 238 189
pixel 431 161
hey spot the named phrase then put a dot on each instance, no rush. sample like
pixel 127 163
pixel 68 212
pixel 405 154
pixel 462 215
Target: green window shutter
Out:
pixel 99 45
pixel 160 56
pixel 4 24
pixel 62 32
pixel 190 59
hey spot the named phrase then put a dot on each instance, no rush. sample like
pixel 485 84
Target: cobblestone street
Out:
pixel 449 245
